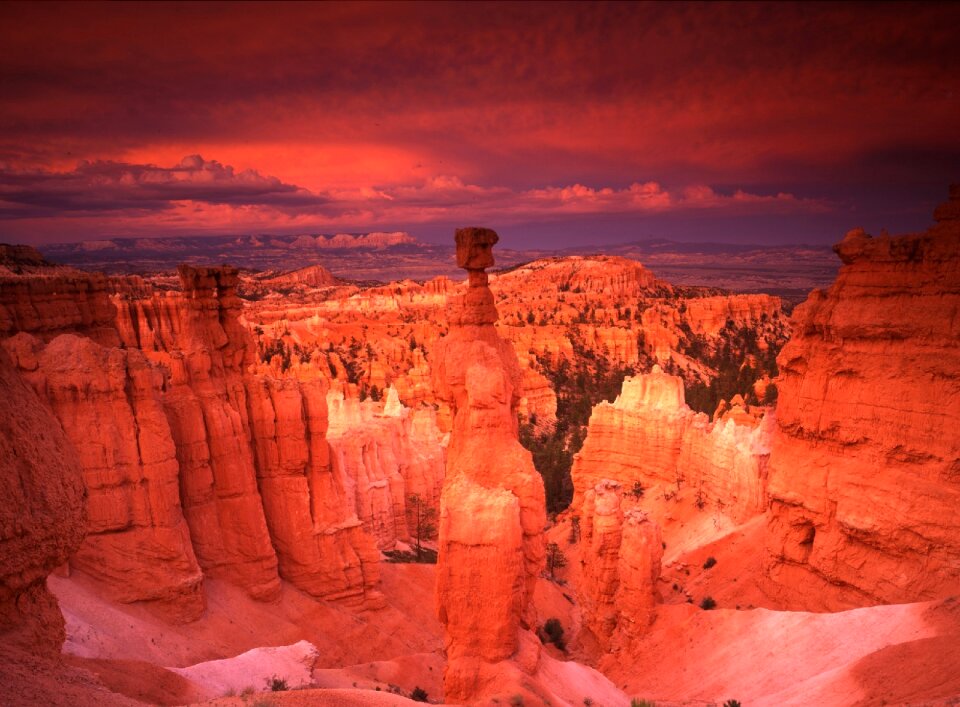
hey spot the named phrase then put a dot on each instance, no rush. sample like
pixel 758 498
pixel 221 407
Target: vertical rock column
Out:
pixel 206 406
pixel 492 508
pixel 622 550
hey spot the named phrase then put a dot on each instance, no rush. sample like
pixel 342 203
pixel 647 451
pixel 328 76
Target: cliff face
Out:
pixel 649 436
pixel 385 456
pixel 621 551
pixel 194 463
pixel 108 401
pixel 42 518
pixel 865 468
pixel 492 510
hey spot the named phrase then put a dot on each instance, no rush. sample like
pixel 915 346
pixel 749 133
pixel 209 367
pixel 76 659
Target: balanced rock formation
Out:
pixel 649 436
pixel 42 518
pixel 865 469
pixel 492 509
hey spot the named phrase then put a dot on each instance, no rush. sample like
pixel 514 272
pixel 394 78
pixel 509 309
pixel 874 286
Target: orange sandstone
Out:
pixel 492 509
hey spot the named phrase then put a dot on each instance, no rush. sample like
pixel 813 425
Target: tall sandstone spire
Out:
pixel 492 509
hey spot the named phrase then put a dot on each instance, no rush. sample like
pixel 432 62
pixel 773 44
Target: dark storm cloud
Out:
pixel 551 107
pixel 97 187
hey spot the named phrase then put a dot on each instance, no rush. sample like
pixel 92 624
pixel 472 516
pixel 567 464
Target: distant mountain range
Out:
pixel 791 271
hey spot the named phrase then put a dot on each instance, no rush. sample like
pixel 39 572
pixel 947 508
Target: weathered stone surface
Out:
pixel 649 436
pixel 865 467
pixel 320 544
pixel 42 518
pixel 385 456
pixel 492 510
pixel 108 401
pixel 621 552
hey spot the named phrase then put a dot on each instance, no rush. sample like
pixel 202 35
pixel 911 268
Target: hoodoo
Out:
pixel 492 510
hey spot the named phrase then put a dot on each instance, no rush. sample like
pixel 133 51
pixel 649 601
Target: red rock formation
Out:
pixel 310 276
pixel 42 518
pixel 108 401
pixel 385 454
pixel 621 550
pixel 492 507
pixel 650 436
pixel 321 546
pixel 192 460
pixel 48 306
pixel 206 406
pixel 865 468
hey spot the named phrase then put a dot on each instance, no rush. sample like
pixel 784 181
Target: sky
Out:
pixel 558 124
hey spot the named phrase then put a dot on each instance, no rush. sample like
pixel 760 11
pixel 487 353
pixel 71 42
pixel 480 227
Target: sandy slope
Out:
pixel 763 657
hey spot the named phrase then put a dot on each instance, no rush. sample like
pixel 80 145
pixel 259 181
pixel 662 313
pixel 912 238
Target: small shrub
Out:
pixel 731 703
pixel 277 684
pixel 708 603
pixel 587 702
pixel 553 633
pixel 418 694
pixel 516 701
pixel 635 702
pixel 711 561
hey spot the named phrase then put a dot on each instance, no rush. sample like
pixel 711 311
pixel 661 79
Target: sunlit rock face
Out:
pixel 865 466
pixel 42 519
pixel 621 552
pixel 320 543
pixel 386 453
pixel 492 509
pixel 649 436
pixel 195 463
pixel 648 439
pixel 109 403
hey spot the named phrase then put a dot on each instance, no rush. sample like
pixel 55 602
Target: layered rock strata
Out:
pixel 386 454
pixel 194 463
pixel 865 466
pixel 621 550
pixel 649 436
pixel 42 518
pixel 492 509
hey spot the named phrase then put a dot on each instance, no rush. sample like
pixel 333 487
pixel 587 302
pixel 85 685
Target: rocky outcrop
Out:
pixel 310 276
pixel 48 306
pixel 611 276
pixel 385 453
pixel 621 550
pixel 865 466
pixel 320 544
pixel 206 405
pixel 196 463
pixel 42 518
pixel 492 509
pixel 109 403
pixel 649 436
pixel 708 315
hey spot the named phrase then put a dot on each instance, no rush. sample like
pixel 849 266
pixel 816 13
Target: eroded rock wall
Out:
pixel 621 551
pixel 649 436
pixel 194 461
pixel 865 467
pixel 42 518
